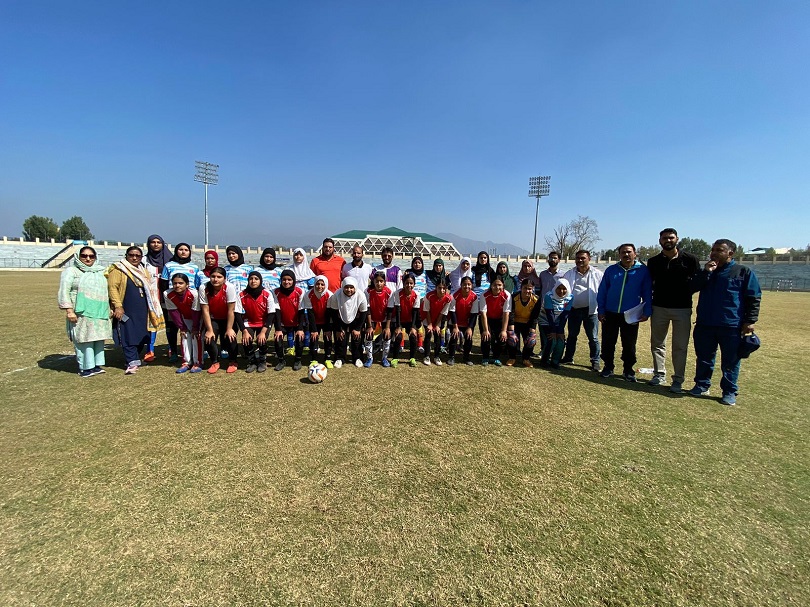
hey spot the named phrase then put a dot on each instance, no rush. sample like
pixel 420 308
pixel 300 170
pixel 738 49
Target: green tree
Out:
pixel 43 228
pixel 75 229
pixel 645 252
pixel 696 246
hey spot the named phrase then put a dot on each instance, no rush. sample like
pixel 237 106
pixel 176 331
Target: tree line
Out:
pixel 46 228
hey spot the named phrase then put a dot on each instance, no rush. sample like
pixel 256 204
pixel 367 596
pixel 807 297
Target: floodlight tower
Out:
pixel 538 186
pixel 207 174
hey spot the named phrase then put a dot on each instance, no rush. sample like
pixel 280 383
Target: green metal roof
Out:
pixel 392 231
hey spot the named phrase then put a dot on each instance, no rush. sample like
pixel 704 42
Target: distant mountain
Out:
pixel 471 247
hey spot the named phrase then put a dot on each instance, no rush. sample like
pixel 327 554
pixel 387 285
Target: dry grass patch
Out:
pixel 428 486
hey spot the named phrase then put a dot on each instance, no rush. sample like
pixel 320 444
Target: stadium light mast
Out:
pixel 538 187
pixel 207 174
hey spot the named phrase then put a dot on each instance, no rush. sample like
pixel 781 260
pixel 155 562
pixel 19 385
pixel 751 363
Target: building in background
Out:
pixel 403 243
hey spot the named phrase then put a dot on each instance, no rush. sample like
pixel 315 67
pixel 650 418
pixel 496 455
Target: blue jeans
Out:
pixel 576 319
pixel 707 340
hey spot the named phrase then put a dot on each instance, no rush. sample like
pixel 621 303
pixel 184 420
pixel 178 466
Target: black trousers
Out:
pixel 355 344
pixel 614 326
pixel 395 341
pixel 466 343
pixel 494 343
pixel 220 325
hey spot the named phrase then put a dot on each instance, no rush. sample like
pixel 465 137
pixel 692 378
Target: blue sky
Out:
pixel 430 116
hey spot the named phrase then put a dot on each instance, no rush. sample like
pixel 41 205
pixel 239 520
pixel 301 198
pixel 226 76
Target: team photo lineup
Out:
pixel 337 311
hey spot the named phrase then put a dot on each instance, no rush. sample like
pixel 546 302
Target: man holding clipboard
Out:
pixel 624 299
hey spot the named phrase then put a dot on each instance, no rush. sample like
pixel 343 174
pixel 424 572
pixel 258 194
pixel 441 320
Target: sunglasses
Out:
pixel 87 255
pixel 134 255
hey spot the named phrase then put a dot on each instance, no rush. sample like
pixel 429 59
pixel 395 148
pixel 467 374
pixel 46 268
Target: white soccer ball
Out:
pixel 316 373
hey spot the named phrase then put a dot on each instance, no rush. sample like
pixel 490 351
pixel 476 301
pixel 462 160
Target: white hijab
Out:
pixel 348 307
pixel 457 274
pixel 302 270
pixel 326 291
pixel 564 282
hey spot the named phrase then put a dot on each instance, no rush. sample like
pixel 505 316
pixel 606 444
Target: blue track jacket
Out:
pixel 622 289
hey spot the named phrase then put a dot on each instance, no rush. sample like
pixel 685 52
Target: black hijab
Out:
pixel 254 293
pixel 238 251
pixel 268 266
pixel 179 259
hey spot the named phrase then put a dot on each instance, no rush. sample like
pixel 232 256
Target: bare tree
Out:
pixel 567 239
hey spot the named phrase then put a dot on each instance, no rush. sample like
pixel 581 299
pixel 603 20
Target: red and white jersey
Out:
pixel 310 301
pixel 406 303
pixel 464 306
pixel 434 307
pixel 256 310
pixel 496 305
pixel 218 302
pixel 288 306
pixel 186 304
pixel 378 303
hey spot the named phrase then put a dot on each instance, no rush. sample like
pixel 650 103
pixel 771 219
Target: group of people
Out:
pixel 351 310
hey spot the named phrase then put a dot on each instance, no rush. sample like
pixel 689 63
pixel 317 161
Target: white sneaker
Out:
pixel 358 363
pixel 338 364
pixel 438 361
pixel 427 360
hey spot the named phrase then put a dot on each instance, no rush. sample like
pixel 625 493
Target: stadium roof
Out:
pixel 392 231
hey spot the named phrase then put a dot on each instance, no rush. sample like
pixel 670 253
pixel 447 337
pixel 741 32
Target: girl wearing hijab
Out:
pixel 157 256
pixel 136 306
pixel 463 316
pixel 180 262
pixel 211 261
pixel 259 311
pixel 304 276
pixel 526 308
pixel 219 304
pixel 348 309
pixel 84 298
pixel 435 275
pixel 403 313
pixel 269 270
pixel 502 270
pixel 420 286
pixel 313 304
pixel 557 303
pixel 496 304
pixel 482 273
pixel 527 273
pixel 237 270
pixel 460 272
pixel 289 320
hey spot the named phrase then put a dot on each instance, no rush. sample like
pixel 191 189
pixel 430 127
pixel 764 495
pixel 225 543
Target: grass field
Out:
pixel 426 486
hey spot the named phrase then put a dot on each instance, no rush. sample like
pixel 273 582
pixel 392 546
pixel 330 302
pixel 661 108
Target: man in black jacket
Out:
pixel 671 271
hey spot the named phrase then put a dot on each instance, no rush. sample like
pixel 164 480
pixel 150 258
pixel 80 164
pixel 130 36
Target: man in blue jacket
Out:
pixel 728 308
pixel 624 285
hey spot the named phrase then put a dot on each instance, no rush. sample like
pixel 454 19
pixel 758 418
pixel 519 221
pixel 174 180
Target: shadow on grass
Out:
pixel 581 372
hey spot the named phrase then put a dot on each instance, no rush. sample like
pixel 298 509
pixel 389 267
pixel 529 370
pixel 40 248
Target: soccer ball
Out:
pixel 316 373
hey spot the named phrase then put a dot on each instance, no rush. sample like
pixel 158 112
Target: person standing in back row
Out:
pixel 728 308
pixel 671 272
pixel 584 280
pixel 328 264
pixel 624 285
